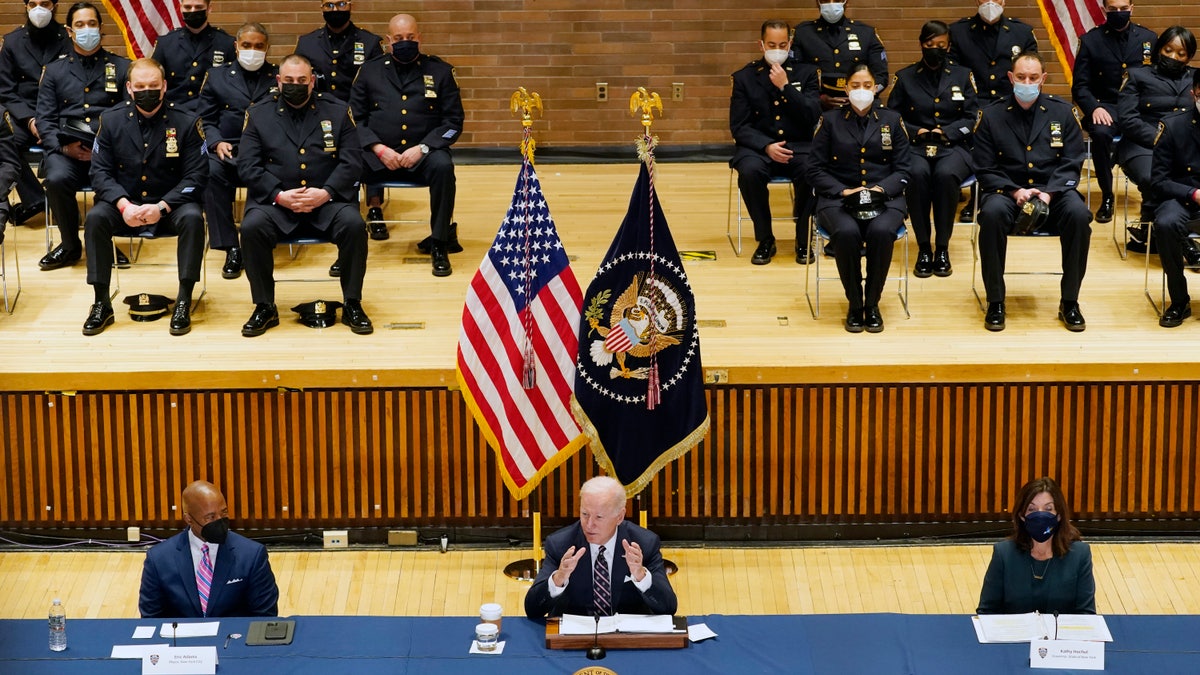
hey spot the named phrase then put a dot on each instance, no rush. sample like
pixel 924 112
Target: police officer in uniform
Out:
pixel 1105 53
pixel 338 49
pixel 148 170
pixel 224 97
pixel 74 91
pixel 301 161
pixel 24 53
pixel 772 113
pixel 835 44
pixel 1176 179
pixel 937 100
pixel 189 51
pixel 877 138
pixel 410 112
pixel 10 165
pixel 1030 147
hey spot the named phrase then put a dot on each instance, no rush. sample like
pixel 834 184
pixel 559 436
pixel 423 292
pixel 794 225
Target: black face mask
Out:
pixel 1117 20
pixel 933 56
pixel 216 531
pixel 147 99
pixel 195 19
pixel 1170 68
pixel 337 18
pixel 295 94
pixel 406 51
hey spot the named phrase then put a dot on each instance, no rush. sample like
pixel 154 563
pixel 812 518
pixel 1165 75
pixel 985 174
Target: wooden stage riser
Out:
pixel 781 454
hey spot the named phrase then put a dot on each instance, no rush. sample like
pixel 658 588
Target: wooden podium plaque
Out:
pixel 677 640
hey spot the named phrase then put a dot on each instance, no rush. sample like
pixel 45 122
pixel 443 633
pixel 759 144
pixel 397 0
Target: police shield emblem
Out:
pixel 1042 651
pixel 172 142
pixel 430 87
pixel 154 659
pixel 327 136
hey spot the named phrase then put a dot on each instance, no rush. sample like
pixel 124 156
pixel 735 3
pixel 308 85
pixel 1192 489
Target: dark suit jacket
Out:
pixel 1067 585
pixel 124 165
pixel 1007 158
pixel 578 596
pixel 839 140
pixel 242 585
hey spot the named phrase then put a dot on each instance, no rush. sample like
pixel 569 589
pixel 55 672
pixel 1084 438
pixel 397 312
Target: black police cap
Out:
pixel 318 313
pixel 148 306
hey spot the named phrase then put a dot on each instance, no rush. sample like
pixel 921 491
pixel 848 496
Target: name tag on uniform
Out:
pixel 430 87
pixel 172 142
pixel 327 136
pixel 218 58
pixel 956 93
pixel 360 53
pixel 110 78
pixel 854 46
pixel 1056 137
pixel 885 136
pixel 1147 50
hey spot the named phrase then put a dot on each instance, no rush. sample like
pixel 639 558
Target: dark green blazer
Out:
pixel 1067 586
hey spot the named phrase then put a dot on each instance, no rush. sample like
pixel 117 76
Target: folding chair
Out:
pixel 136 240
pixel 1161 305
pixel 52 227
pixel 814 299
pixel 975 263
pixel 296 244
pixel 729 216
pixel 10 301
pixel 395 185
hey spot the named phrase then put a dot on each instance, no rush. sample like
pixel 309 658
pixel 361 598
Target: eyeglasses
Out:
pixel 330 6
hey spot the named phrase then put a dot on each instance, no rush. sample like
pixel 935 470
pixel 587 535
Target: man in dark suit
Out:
pixel 1175 174
pixel 773 110
pixel 602 564
pixel 338 49
pixel 1105 53
pixel 227 92
pixel 301 160
pixel 835 44
pixel 187 53
pixel 74 91
pixel 149 171
pixel 24 53
pixel 1030 147
pixel 206 570
pixel 410 109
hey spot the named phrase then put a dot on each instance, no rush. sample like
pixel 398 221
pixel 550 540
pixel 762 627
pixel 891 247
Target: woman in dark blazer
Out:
pixel 1043 566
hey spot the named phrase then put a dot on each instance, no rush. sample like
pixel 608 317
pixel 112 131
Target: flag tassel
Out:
pixel 653 394
pixel 529 371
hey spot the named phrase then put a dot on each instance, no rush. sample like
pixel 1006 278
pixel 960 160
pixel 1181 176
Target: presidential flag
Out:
pixel 1065 21
pixel 142 21
pixel 517 345
pixel 639 387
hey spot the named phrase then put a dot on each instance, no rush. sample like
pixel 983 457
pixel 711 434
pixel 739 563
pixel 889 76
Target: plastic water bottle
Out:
pixel 58 626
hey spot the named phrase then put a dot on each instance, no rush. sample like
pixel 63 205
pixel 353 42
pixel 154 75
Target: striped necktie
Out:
pixel 602 584
pixel 204 575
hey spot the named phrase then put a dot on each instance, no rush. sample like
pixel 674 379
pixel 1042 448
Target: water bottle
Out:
pixel 58 626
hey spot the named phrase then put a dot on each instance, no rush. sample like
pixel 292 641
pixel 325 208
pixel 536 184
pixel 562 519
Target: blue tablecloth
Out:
pixel 842 644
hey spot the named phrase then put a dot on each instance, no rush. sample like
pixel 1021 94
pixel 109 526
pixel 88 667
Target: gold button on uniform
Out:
pixel 302 151
pixel 303 166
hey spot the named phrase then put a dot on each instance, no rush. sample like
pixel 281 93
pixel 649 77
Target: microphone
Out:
pixel 596 652
pixel 174 633
pixel 1056 625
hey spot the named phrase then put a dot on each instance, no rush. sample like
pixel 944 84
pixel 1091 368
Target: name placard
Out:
pixel 180 661
pixel 1072 654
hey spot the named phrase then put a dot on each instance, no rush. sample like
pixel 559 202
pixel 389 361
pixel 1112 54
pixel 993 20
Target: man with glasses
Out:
pixel 189 51
pixel 337 49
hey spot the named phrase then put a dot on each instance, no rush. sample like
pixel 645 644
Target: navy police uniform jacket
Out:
pixel 187 56
pixel 10 156
pixel 1176 168
pixel 835 48
pixel 989 51
pixel 850 151
pixel 1145 98
pixel 761 113
pixel 407 105
pixel 337 57
pixel 227 93
pixel 282 149
pixel 25 52
pixel 79 87
pixel 1103 57
pixel 943 99
pixel 146 160
pixel 1049 156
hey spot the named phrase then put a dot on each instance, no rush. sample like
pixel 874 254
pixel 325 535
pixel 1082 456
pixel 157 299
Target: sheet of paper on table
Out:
pixel 999 628
pixel 576 624
pixel 189 630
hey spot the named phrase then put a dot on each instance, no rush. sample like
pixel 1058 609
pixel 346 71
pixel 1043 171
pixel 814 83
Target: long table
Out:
pixel 841 644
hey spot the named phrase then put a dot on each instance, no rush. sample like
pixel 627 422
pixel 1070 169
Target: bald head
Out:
pixel 403 27
pixel 202 504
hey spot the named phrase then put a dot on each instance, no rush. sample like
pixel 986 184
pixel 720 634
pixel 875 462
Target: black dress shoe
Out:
pixel 354 316
pixel 375 225
pixel 764 252
pixel 1174 315
pixel 452 247
pixel 181 319
pixel 121 259
pixel 1105 213
pixel 967 214
pixel 61 256
pixel 873 320
pixel 1191 255
pixel 805 255
pixel 335 270
pixel 1072 318
pixel 854 320
pixel 441 261
pixel 994 319
pixel 265 316
pixel 23 212
pixel 99 318
pixel 941 263
pixel 924 267
pixel 233 264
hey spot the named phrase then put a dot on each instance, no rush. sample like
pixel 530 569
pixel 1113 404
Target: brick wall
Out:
pixel 561 48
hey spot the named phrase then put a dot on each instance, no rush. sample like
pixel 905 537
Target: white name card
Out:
pixel 180 661
pixel 1071 654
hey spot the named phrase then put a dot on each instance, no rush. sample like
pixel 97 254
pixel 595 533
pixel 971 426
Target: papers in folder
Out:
pixel 992 628
pixel 575 624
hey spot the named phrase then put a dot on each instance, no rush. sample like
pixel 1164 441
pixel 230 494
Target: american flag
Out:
pixel 1066 20
pixel 142 21
pixel 517 346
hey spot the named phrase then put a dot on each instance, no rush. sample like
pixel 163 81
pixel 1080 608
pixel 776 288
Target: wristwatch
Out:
pixel 162 212
pixel 424 149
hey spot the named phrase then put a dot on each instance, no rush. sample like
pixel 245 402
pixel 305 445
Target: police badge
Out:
pixel 885 136
pixel 110 78
pixel 172 142
pixel 360 53
pixel 1056 135
pixel 218 58
pixel 430 87
pixel 327 136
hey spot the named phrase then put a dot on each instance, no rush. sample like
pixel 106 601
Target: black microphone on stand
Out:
pixel 596 652
pixel 1056 625
pixel 174 633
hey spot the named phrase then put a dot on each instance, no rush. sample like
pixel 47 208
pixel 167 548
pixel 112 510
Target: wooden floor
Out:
pixel 1131 578
pixel 757 325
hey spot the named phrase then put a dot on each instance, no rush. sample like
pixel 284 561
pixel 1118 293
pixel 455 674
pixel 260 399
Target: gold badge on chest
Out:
pixel 360 53
pixel 885 136
pixel 854 45
pixel 172 142
pixel 430 87
pixel 110 78
pixel 1056 135
pixel 327 136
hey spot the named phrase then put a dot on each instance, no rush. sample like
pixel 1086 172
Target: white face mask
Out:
pixel 87 38
pixel 861 99
pixel 40 16
pixel 775 56
pixel 833 11
pixel 991 11
pixel 251 59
